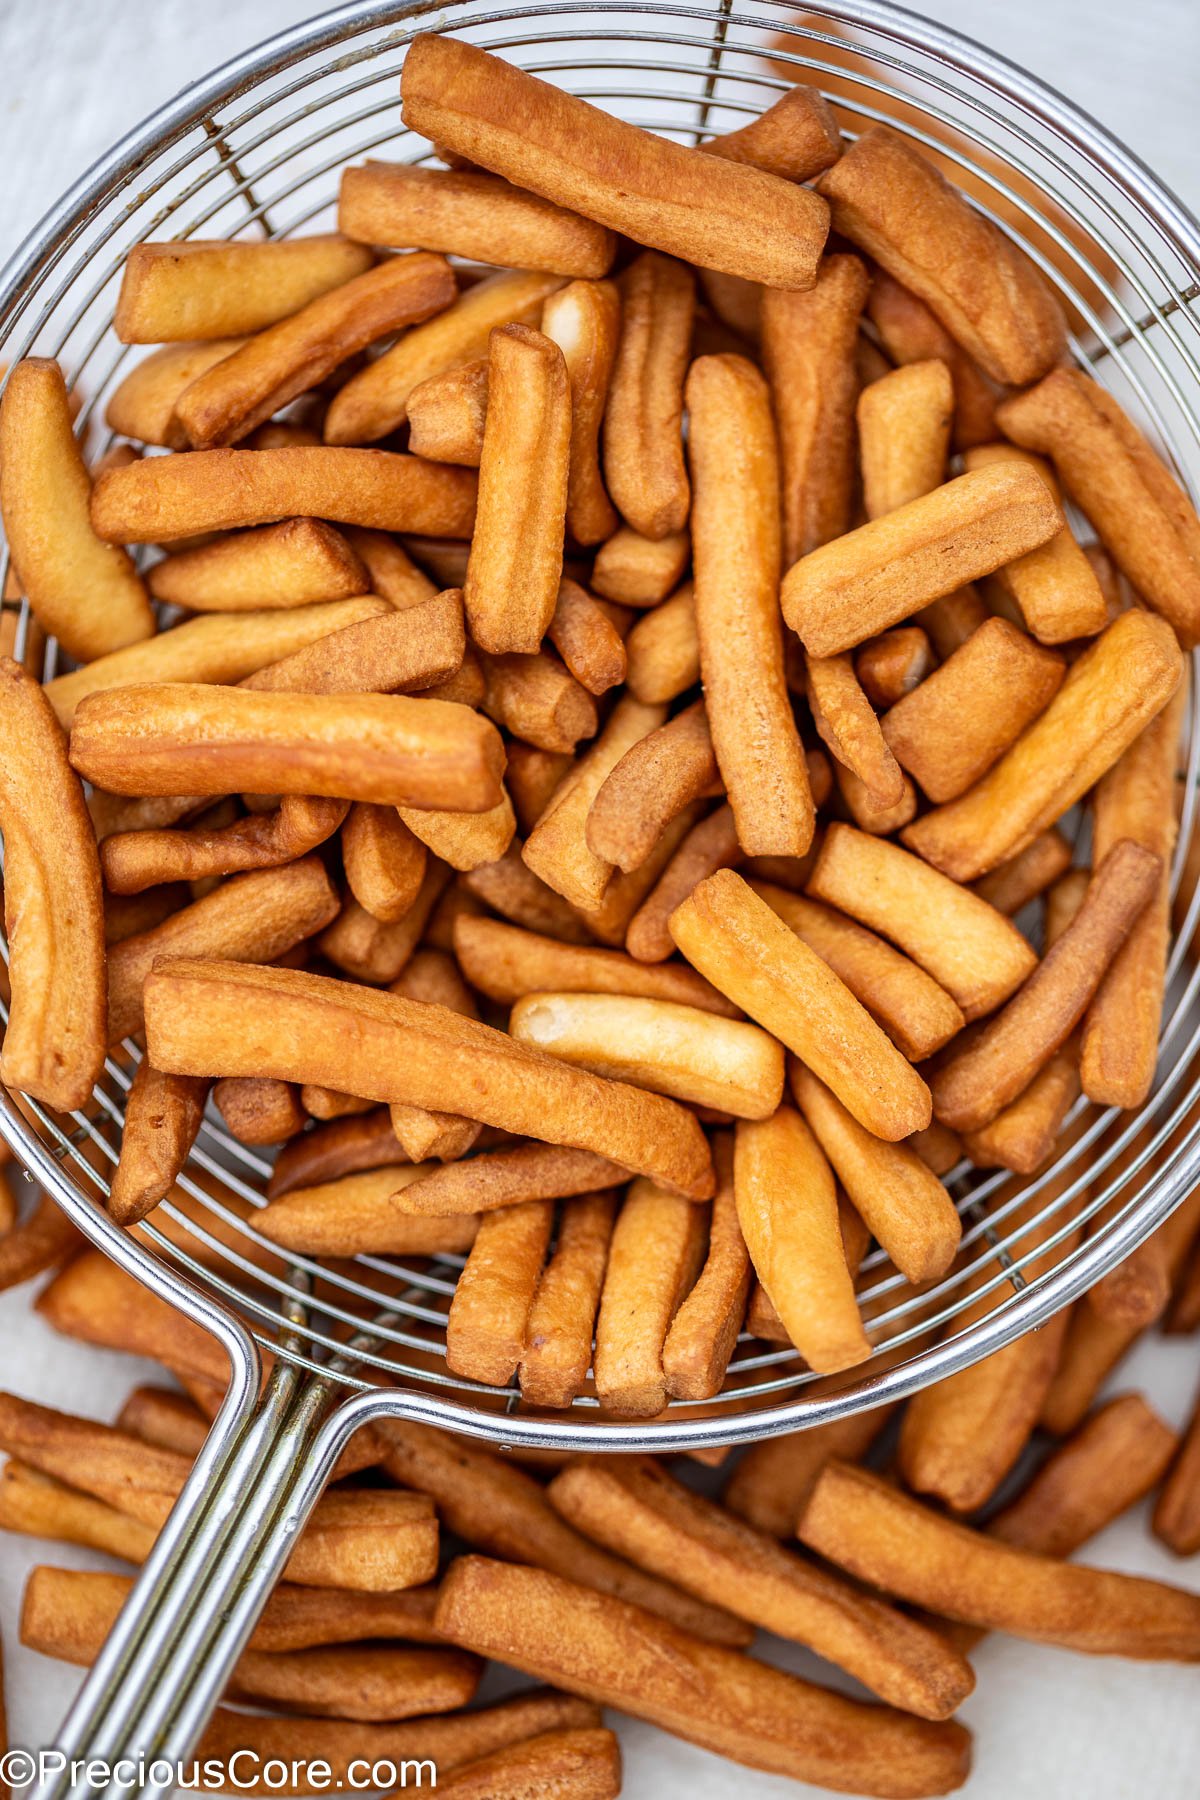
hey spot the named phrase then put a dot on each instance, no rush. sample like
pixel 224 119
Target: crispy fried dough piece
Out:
pixel 711 1696
pixel 133 861
pixel 846 591
pixel 163 1113
pixel 705 1328
pixel 83 591
pixel 485 1327
pixel 894 203
pixel 465 213
pixel 796 137
pixel 977 955
pixel 655 191
pixel 258 1110
pixel 869 1527
pixel 1145 520
pixel 584 320
pixel 310 1028
pixel 557 1351
pixel 643 420
pixel 654 1256
pixel 509 1177
pixel 296 563
pixel 421 650
pixel 973 1085
pixel 787 1209
pixel 54 1043
pixel 904 434
pixel 494 1505
pixel 274 367
pixel 142 405
pixel 168 497
pixel 176 737
pixel 910 333
pixel 735 526
pixel 731 935
pixel 374 402
pixel 505 963
pixel 215 289
pixel 263 913
pixel 770 1484
pixel 633 1506
pixel 1054 587
pixel 808 353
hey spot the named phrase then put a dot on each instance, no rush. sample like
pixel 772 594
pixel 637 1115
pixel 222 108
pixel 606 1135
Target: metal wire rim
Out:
pixel 226 159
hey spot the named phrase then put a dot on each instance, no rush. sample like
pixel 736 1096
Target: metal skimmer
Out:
pixel 256 148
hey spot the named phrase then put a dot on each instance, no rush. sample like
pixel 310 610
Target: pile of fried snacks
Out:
pixel 566 685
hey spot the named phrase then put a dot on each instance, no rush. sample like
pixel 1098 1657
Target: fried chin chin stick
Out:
pixel 808 344
pixel 506 963
pixel 53 1047
pixel 557 1350
pixel 494 1505
pixel 162 1116
pixel 643 419
pixel 584 320
pixel 654 1256
pixel 211 289
pixel 231 399
pixel 870 1528
pixel 735 527
pixel 892 202
pixel 1134 800
pixel 214 649
pixel 296 563
pixel 374 402
pixel 955 725
pixel 972 1086
pixel 635 1508
pixel 845 592
pixel 169 497
pixel 730 935
pixel 918 1015
pixel 658 1044
pixel 182 738
pixel 788 1211
pixel 84 592
pixel 1145 520
pixel 679 200
pixel 975 953
pixel 1122 680
pixel 797 137
pixel 621 1655
pixel 896 1194
pixel 464 213
pixel 311 1028
pixel 515 565
pixel 904 435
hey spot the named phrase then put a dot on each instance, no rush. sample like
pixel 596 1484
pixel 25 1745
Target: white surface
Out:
pixel 1048 1726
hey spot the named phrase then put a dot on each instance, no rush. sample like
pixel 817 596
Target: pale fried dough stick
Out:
pixel 163 1113
pixel 643 419
pixel 54 1044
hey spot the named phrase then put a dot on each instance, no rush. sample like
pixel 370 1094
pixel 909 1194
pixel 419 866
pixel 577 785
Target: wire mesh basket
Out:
pixel 256 149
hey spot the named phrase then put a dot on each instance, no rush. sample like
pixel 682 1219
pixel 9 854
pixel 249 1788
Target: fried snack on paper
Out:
pixel 727 1702
pixel 873 1530
pixel 633 1506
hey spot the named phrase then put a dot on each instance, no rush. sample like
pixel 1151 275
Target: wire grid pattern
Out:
pixel 257 151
